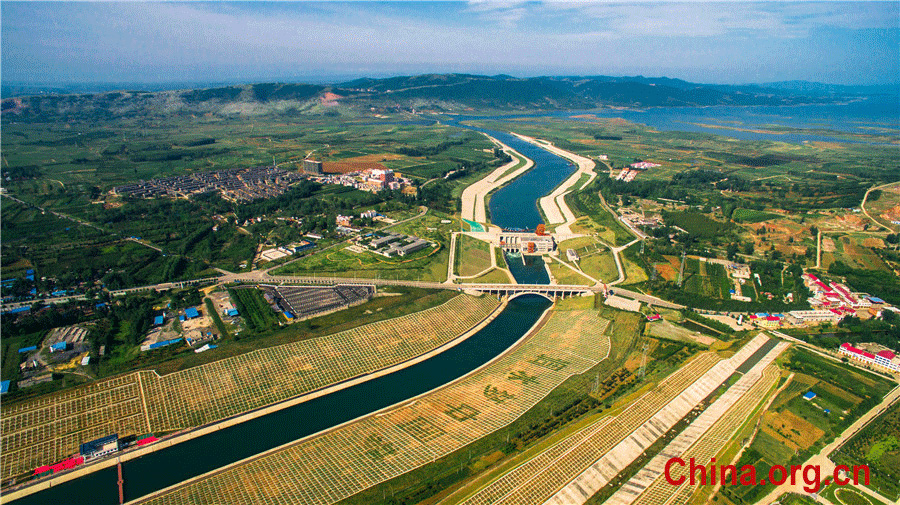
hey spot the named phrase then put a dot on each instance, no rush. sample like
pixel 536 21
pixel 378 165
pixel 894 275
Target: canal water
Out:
pixel 194 457
pixel 515 206
pixel 527 269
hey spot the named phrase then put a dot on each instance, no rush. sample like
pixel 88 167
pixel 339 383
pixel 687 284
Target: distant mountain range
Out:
pixel 438 92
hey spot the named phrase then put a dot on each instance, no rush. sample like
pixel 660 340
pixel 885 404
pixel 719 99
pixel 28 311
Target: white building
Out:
pixel 884 358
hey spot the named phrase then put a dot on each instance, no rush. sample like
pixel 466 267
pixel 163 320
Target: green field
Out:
pixel 258 314
pixel 429 264
pixel 595 259
pixel 794 428
pixel 472 256
pixel 877 445
pixel 706 279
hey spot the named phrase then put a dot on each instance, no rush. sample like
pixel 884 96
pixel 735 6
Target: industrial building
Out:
pixel 801 317
pixel 527 243
pixel 305 301
pixel 100 447
pixel 313 167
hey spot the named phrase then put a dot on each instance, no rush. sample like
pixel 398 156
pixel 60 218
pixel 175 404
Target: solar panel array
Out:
pixel 303 301
pixel 344 461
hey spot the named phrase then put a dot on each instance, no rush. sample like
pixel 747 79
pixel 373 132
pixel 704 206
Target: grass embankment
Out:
pixel 494 276
pixel 595 259
pixel 472 256
pixel 587 202
pixel 565 275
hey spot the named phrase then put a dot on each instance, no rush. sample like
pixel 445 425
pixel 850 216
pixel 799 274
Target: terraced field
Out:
pixel 231 386
pixel 48 429
pixel 377 448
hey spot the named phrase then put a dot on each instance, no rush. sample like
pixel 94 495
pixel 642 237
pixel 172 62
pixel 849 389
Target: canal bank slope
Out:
pixel 474 196
pixel 554 205
pixel 484 312
pixel 383 445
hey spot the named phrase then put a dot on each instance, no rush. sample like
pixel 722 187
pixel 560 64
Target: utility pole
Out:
pixel 643 370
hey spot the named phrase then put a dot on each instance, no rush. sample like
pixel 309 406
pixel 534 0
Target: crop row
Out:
pixel 231 386
pixel 556 466
pixel 377 448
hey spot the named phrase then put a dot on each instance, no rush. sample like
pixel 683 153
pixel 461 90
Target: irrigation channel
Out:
pixel 188 459
pixel 512 207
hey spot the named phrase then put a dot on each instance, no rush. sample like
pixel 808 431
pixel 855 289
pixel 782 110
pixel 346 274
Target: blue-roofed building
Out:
pixel 875 300
pixel 100 305
pixel 231 312
pixel 28 349
pixel 4 387
pixel 59 346
pixel 29 275
pixel 100 447
pixel 288 315
pixel 181 318
pixel 809 395
pixel 158 320
pixel 191 313
pixel 18 310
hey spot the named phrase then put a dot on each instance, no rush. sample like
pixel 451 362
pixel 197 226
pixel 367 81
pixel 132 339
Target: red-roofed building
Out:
pixel 886 358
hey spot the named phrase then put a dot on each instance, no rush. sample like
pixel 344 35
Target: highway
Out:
pixel 263 277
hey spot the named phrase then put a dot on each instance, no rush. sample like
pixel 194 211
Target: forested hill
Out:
pixel 424 92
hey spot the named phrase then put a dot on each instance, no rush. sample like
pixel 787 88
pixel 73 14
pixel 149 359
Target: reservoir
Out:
pixel 194 457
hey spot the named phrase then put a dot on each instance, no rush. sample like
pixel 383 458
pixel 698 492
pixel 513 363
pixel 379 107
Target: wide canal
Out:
pixel 194 457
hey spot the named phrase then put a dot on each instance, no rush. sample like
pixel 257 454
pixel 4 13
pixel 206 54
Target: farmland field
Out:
pixel 877 445
pixel 254 309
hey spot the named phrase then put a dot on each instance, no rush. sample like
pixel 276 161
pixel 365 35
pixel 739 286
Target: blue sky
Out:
pixel 725 42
